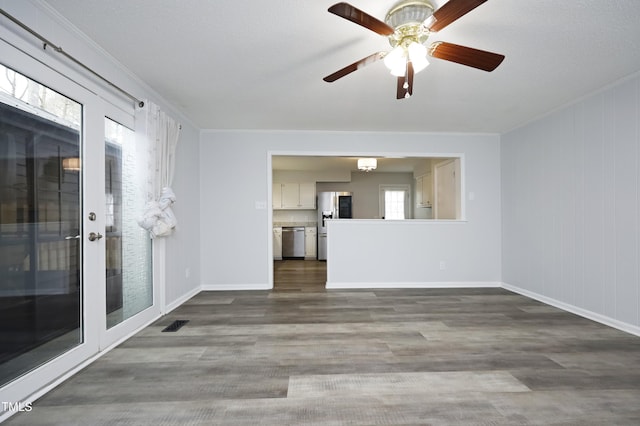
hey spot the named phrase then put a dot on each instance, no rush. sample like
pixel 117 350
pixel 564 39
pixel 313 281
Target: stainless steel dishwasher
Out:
pixel 292 242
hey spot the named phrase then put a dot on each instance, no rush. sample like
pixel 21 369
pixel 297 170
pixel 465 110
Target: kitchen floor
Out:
pixel 357 357
pixel 299 275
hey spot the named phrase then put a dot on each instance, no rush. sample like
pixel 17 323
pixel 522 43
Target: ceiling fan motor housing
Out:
pixel 408 19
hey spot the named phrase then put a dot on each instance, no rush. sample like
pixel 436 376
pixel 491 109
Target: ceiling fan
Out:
pixel 407 26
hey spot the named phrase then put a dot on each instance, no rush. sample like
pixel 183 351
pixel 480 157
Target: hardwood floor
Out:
pixel 303 355
pixel 299 275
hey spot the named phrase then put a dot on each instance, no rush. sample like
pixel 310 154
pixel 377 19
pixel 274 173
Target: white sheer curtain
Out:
pixel 162 133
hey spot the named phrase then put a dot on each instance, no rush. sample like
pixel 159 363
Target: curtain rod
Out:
pixel 47 43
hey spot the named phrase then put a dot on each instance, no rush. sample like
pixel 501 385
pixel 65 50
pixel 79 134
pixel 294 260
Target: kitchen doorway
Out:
pixel 291 178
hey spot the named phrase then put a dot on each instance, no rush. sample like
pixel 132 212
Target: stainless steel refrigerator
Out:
pixel 331 205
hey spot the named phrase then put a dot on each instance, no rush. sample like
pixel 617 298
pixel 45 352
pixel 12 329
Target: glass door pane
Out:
pixel 128 246
pixel 394 204
pixel 40 225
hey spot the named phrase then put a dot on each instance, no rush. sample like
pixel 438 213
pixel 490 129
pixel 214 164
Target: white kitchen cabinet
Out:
pixel 424 190
pixel 276 196
pixel 310 244
pixel 277 243
pixel 294 196
pixel 307 196
pixel 290 195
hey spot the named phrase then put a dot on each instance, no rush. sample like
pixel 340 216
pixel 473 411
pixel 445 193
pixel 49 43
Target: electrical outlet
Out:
pixel 443 265
pixel 187 272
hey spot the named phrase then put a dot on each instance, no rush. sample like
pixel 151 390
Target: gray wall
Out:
pixel 570 205
pixel 235 180
pixel 182 269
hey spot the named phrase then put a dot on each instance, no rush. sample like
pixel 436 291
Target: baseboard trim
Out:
pixel 182 299
pixel 235 287
pixel 602 319
pixel 390 285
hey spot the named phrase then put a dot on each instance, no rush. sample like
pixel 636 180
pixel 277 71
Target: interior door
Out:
pixel 446 194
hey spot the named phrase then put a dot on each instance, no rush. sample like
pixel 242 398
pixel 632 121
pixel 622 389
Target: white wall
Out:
pixel 570 193
pixel 412 253
pixel 235 174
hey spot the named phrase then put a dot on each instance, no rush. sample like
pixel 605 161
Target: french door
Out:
pixel 75 269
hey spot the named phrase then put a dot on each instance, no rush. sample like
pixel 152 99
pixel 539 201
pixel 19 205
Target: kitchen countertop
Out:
pixel 305 224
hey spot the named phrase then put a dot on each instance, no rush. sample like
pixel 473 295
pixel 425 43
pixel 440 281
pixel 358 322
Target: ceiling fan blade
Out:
pixel 481 59
pixel 405 83
pixel 451 11
pixel 353 14
pixel 354 66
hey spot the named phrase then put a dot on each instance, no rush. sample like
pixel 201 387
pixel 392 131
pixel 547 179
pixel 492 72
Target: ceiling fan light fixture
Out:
pixel 407 19
pixel 418 56
pixel 367 164
pixel 400 70
pixel 396 61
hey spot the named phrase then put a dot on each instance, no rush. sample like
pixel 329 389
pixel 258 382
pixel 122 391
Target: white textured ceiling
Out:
pixel 259 64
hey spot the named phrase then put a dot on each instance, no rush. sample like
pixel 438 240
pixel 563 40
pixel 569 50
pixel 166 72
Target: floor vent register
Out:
pixel 175 326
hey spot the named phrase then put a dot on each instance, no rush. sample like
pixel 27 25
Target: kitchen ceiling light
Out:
pixel 367 164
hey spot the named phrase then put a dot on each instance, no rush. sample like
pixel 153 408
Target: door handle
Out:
pixel 72 237
pixel 93 236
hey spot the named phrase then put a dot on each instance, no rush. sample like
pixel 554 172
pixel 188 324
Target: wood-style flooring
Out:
pixel 299 275
pixel 304 355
